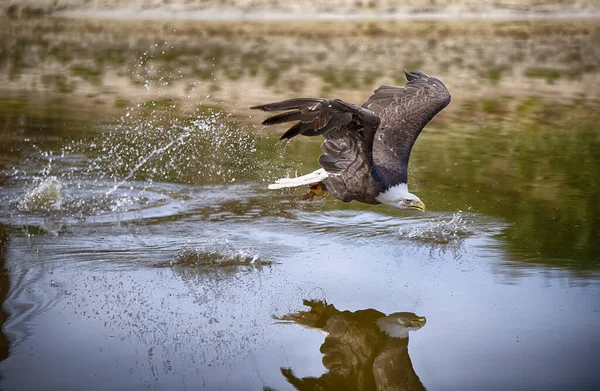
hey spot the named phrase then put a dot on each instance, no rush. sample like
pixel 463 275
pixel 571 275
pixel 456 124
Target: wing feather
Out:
pixel 304 104
pixel 289 116
pixel 404 112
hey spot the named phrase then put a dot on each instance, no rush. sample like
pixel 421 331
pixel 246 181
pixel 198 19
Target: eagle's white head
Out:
pixel 398 196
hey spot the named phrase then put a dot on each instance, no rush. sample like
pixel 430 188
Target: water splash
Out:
pixel 45 196
pixel 137 168
pixel 211 257
pixel 160 138
pixel 210 148
pixel 137 164
pixel 439 230
pixel 145 159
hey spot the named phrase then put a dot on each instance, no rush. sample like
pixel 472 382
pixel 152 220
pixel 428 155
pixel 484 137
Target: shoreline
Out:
pixel 307 10
pixel 241 16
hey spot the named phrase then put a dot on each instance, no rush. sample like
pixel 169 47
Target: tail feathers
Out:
pixel 308 179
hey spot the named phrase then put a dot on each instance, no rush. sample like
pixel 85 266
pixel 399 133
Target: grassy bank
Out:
pixel 508 70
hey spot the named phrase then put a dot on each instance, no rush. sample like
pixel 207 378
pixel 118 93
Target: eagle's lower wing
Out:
pixel 404 111
pixel 347 150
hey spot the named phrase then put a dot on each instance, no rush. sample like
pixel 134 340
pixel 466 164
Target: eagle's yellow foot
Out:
pixel 316 189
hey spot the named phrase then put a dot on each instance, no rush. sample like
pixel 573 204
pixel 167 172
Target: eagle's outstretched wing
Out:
pixel 347 150
pixel 404 112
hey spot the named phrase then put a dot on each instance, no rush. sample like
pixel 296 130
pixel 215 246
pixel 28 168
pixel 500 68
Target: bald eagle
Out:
pixel 366 149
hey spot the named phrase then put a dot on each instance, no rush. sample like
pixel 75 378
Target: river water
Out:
pixel 141 250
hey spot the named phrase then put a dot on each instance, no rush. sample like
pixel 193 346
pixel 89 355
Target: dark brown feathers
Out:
pixel 298 103
pixel 366 149
pixel 289 116
pixel 315 116
pixel 404 112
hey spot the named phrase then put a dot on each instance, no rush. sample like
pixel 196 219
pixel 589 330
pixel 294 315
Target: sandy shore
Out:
pixel 312 10
pixel 235 15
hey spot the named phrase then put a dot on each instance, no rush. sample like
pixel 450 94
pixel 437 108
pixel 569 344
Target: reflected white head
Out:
pixel 398 196
pixel 398 324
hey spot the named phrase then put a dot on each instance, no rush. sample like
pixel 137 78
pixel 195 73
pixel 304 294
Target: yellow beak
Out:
pixel 419 205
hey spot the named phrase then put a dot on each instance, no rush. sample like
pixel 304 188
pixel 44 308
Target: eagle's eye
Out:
pixel 407 201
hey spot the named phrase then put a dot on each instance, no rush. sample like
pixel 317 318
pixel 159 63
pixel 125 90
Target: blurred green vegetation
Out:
pixel 544 73
pixel 544 181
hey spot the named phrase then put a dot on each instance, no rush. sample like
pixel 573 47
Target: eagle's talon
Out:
pixel 316 190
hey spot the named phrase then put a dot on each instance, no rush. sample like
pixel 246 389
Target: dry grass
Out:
pixel 306 7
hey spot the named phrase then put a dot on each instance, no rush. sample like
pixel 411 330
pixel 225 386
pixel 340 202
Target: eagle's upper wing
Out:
pixel 404 111
pixel 348 131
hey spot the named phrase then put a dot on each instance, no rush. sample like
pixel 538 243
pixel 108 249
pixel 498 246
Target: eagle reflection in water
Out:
pixel 363 350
